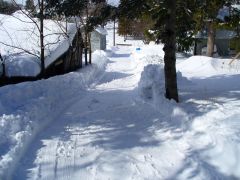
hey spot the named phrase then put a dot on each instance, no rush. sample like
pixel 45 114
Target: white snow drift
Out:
pixel 25 108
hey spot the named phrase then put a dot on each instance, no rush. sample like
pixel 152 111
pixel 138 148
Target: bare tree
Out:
pixel 40 28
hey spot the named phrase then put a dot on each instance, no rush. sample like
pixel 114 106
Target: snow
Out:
pixel 25 107
pixel 113 2
pixel 110 120
pixel 18 30
pixel 101 30
pixel 22 64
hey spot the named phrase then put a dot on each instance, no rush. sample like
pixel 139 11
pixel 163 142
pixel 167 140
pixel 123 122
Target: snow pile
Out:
pixel 148 51
pixel 151 88
pixel 101 30
pixel 22 65
pixel 206 66
pixel 207 117
pixel 151 84
pixel 20 42
pixel 28 107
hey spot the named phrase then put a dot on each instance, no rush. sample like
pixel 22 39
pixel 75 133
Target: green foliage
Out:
pixel 101 14
pixel 30 5
pixel 191 16
pixel 158 15
pixel 95 12
pixel 67 8
pixel 132 9
pixel 235 44
pixel 185 24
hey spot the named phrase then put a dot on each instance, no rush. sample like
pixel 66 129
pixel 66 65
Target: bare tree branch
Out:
pixel 31 18
pixel 16 47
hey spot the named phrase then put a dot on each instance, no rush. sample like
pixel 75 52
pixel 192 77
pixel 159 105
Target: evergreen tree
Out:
pixel 173 24
pixel 206 15
pixel 30 6
pixel 7 7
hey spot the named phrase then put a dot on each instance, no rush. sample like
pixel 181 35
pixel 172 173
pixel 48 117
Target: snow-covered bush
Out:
pixel 152 90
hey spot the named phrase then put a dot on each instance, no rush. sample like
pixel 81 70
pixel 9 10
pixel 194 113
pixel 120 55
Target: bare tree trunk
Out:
pixel 211 38
pixel 86 47
pixel 170 50
pixel 3 65
pixel 90 48
pixel 86 35
pixel 41 18
pixel 81 45
pixel 114 32
pixel 85 55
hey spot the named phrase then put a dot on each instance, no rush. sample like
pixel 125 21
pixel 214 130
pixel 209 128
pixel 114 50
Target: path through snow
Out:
pixel 106 132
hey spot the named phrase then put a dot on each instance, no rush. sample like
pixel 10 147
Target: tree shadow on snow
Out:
pixel 209 93
pixel 124 55
pixel 113 120
pixel 110 76
pixel 196 166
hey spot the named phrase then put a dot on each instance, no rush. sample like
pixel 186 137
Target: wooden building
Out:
pixel 98 39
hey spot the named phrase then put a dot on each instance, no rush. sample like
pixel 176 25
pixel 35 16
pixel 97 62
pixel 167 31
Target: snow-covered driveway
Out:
pixel 106 131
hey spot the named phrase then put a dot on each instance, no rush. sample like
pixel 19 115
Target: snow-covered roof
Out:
pixel 237 6
pixel 101 30
pixel 114 2
pixel 225 11
pixel 20 37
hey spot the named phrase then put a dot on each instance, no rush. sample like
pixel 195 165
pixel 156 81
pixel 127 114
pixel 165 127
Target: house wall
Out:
pixel 98 41
pixel 69 61
pixel 95 41
pixel 221 44
pixel 103 42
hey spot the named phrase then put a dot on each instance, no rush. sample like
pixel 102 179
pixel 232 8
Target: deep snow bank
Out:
pixel 152 90
pixel 209 120
pixel 151 86
pixel 202 66
pixel 27 107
